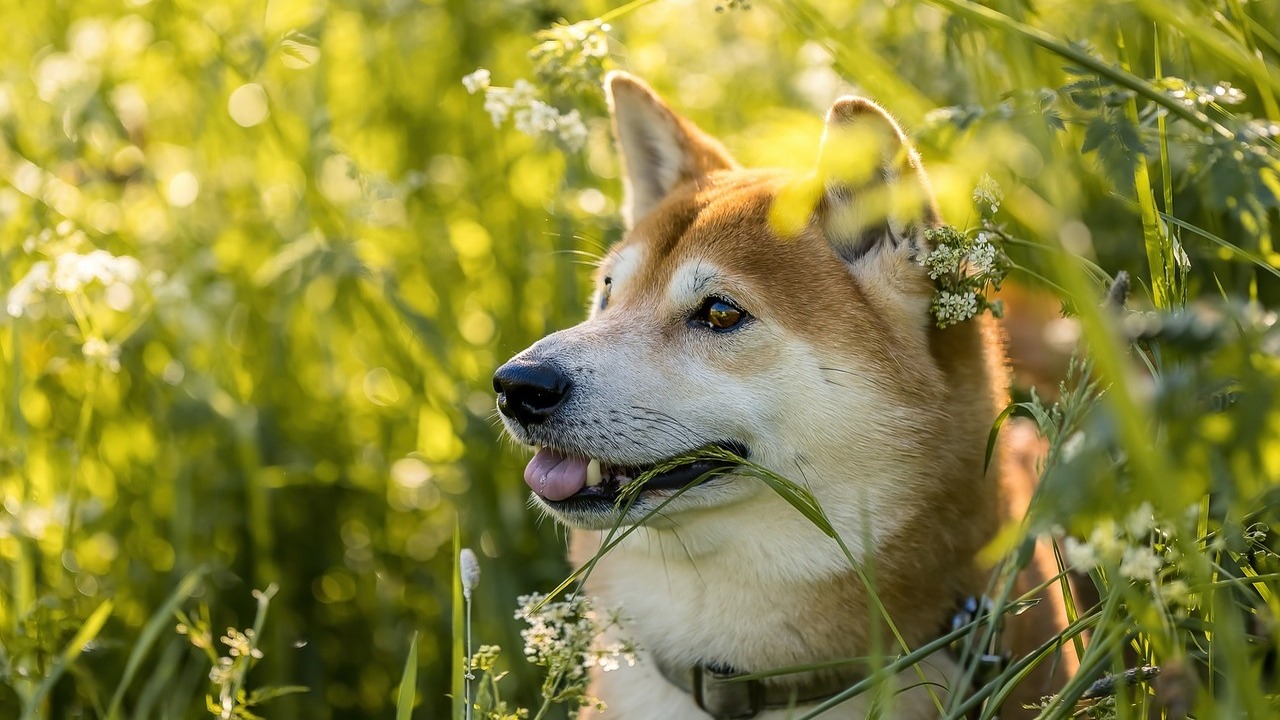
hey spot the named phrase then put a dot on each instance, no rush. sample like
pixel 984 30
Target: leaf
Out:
pixel 160 619
pixel 92 626
pixel 298 51
pixel 457 682
pixel 994 434
pixel 408 682
pixel 1096 134
pixel 261 695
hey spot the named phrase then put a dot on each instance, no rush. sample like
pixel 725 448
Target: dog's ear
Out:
pixel 660 150
pixel 875 197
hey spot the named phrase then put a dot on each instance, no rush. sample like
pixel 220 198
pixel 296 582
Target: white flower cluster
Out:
pixel 585 39
pixel 944 261
pixel 955 307
pixel 962 267
pixel 978 257
pixel 982 255
pixel 72 272
pixel 988 193
pixel 1127 548
pixel 530 115
pixel 564 637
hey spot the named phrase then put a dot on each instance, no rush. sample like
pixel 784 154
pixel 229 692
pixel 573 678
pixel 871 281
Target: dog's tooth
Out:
pixel 593 473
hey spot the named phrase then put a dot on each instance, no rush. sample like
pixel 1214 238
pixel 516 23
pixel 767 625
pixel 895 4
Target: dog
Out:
pixel 785 320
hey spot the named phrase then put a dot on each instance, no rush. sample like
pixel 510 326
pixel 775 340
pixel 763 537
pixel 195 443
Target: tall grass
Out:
pixel 294 389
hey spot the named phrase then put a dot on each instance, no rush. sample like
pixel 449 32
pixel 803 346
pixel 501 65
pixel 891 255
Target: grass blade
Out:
pixel 456 682
pixel 991 18
pixel 92 626
pixel 408 683
pixel 160 619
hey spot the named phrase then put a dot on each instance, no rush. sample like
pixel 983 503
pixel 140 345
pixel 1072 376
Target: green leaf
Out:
pixel 457 680
pixel 994 434
pixel 160 619
pixel 92 626
pixel 408 682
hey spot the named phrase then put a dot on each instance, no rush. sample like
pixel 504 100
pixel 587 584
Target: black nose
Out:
pixel 528 392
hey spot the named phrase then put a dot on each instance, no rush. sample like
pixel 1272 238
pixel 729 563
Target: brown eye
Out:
pixel 720 315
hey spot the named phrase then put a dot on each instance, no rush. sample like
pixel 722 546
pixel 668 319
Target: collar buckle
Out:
pixel 723 697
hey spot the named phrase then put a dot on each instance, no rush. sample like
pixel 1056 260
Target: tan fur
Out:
pixel 842 383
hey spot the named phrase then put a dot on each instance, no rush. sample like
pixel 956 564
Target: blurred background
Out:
pixel 260 260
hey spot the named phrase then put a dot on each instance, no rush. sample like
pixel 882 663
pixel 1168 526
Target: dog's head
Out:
pixel 783 319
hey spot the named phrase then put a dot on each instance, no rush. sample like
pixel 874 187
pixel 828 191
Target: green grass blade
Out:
pixel 1159 246
pixel 160 619
pixel 408 683
pixel 457 680
pixel 92 626
pixel 1230 247
pixel 991 18
pixel 994 434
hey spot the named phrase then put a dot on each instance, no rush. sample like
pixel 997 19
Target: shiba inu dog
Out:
pixel 786 321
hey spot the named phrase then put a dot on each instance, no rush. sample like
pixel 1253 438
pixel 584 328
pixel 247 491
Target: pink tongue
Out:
pixel 555 476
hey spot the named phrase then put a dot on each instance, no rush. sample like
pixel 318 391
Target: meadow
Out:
pixel 260 259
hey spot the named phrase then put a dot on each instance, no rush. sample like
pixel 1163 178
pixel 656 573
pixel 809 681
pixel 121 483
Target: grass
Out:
pixel 295 390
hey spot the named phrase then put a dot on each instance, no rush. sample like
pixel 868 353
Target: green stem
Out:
pixel 992 18
pixel 623 10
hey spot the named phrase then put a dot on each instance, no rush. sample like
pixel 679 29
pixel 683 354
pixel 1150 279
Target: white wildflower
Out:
pixel 564 638
pixel 1141 521
pixel 572 131
pixel 476 81
pixel 73 271
pixel 988 193
pixel 1175 592
pixel 499 102
pixel 222 673
pixel 536 118
pixel 469 569
pixel 1106 541
pixel 1079 555
pixel 28 290
pixel 982 255
pixel 955 307
pixel 1140 563
pixel 101 352
pixel 943 260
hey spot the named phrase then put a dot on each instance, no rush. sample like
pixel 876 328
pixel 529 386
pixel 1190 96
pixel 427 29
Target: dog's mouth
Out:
pixel 566 481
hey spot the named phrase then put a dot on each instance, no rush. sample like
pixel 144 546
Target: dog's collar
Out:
pixel 718 690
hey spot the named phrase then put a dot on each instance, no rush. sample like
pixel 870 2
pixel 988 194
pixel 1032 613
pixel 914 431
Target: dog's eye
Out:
pixel 720 315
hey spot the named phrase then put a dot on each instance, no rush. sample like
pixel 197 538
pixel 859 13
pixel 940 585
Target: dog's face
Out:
pixel 713 326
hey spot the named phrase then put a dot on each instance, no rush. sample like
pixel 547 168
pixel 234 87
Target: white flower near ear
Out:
pixel 988 193
pixel 571 129
pixel 476 81
pixel 536 118
pixel 955 307
pixel 943 261
pixel 982 256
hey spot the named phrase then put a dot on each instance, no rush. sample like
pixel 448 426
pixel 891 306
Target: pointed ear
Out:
pixel 660 150
pixel 875 196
